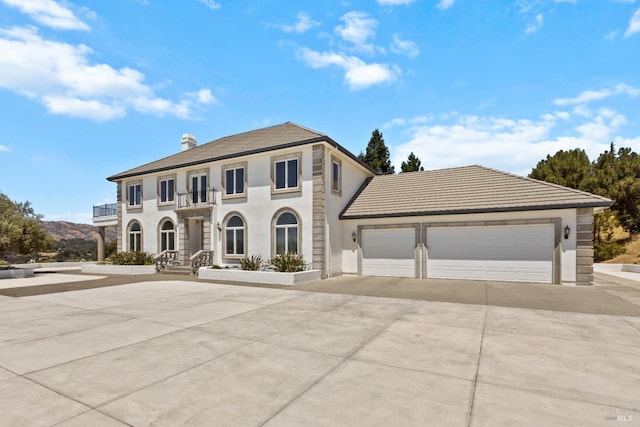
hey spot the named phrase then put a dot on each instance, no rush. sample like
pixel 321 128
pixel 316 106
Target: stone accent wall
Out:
pixel 183 241
pixel 319 257
pixel 584 246
pixel 119 242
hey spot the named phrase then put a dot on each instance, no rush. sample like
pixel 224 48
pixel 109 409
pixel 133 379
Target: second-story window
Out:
pixel 286 174
pixel 234 181
pixel 336 176
pixel 134 198
pixel 199 189
pixel 167 190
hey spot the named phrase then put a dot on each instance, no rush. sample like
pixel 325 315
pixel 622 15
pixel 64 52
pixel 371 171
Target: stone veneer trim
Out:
pixel 319 214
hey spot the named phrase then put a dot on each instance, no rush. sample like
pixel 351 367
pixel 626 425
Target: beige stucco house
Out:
pixel 289 188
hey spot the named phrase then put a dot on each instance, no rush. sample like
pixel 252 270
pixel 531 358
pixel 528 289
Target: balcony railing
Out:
pixel 110 209
pixel 196 199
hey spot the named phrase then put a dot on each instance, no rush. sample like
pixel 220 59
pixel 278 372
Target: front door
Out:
pixel 195 235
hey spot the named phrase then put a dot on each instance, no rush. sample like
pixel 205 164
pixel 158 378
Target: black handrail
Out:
pixel 196 198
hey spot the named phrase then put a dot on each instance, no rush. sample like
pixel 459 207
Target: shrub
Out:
pixel 603 251
pixel 132 258
pixel 252 263
pixel 287 263
pixel 216 267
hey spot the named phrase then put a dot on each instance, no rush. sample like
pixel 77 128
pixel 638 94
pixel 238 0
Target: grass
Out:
pixel 632 248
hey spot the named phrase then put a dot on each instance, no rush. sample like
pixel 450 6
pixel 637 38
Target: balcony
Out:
pixel 196 200
pixel 105 215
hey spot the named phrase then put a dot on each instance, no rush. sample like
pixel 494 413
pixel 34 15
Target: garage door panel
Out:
pixel 388 252
pixel 505 253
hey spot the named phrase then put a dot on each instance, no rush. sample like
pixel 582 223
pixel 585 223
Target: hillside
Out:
pixel 59 230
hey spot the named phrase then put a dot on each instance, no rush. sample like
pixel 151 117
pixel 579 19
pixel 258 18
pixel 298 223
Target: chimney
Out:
pixel 188 141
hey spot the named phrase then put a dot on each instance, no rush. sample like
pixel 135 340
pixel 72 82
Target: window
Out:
pixel 286 232
pixel 286 174
pixel 234 181
pixel 198 189
pixel 167 236
pixel 234 236
pixel 167 189
pixel 135 195
pixel 135 237
pixel 336 176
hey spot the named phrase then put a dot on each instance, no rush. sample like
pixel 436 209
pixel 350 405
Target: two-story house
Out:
pixel 286 188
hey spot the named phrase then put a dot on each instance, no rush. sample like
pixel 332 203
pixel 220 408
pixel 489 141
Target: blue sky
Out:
pixel 92 88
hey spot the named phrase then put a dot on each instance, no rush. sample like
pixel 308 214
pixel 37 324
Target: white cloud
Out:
pixel 512 145
pixel 304 23
pixel 595 95
pixel 445 4
pixel 395 2
pixel 358 74
pixel 77 217
pixel 4 148
pixel 634 24
pixel 205 97
pixel 406 47
pixel 211 4
pixel 62 78
pixel 612 35
pixel 358 29
pixel 535 25
pixel 49 13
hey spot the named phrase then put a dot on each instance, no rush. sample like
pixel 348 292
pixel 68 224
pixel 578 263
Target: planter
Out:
pixel 261 277
pixel 118 269
pixel 631 268
pixel 16 273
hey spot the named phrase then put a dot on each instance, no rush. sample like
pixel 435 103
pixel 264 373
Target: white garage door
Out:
pixel 389 252
pixel 504 253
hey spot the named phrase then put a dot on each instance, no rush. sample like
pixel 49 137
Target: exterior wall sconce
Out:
pixel 567 230
pixel 220 227
pixel 353 236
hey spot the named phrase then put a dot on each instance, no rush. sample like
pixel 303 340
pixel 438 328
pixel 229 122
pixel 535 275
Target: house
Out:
pixel 289 188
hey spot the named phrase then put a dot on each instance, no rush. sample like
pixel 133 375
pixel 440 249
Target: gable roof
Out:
pixel 256 141
pixel 470 189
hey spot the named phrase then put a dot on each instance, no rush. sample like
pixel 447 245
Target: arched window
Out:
pixel 167 236
pixel 234 236
pixel 286 232
pixel 135 236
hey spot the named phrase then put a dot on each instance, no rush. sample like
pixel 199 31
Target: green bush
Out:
pixel 603 251
pixel 288 263
pixel 132 258
pixel 252 263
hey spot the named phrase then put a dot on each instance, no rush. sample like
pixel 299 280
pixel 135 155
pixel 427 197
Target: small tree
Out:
pixel 377 155
pixel 21 231
pixel 412 164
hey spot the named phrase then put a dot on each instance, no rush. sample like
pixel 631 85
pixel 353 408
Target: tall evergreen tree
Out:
pixel 377 155
pixel 569 168
pixel 412 164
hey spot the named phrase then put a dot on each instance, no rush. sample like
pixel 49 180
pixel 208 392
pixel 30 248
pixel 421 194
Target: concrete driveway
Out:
pixel 187 353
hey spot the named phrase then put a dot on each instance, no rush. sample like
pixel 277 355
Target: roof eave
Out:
pixel 324 138
pixel 595 204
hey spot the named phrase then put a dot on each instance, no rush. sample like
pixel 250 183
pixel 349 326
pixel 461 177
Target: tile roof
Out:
pixel 470 189
pixel 266 139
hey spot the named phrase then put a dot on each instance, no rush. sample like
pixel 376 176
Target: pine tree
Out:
pixel 412 164
pixel 377 155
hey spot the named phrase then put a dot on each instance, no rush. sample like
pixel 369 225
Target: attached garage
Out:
pixel 389 252
pixel 472 223
pixel 521 253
